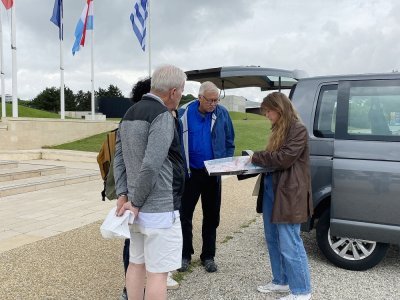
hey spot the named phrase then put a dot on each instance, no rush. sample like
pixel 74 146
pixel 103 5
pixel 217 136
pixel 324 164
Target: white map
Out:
pixel 232 165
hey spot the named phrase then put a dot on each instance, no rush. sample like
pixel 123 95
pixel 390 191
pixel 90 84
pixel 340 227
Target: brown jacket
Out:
pixel 291 177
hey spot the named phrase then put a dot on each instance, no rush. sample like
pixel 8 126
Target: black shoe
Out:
pixel 124 295
pixel 209 265
pixel 185 265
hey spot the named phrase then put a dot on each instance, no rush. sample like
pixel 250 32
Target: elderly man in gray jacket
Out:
pixel 155 177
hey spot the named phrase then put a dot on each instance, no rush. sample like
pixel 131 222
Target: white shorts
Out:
pixel 159 248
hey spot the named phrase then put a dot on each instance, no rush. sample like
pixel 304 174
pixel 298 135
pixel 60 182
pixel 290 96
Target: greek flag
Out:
pixel 138 18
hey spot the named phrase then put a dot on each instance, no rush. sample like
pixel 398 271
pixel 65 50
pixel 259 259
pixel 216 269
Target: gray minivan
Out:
pixel 354 134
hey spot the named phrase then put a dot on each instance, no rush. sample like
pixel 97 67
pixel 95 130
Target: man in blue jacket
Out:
pixel 207 133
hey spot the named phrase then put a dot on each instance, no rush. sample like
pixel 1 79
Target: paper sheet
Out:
pixel 232 165
pixel 117 227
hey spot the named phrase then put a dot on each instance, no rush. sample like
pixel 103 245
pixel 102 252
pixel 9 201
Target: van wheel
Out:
pixel 348 253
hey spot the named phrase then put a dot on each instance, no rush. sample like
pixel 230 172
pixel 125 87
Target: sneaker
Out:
pixel 171 283
pixel 124 295
pixel 185 265
pixel 209 265
pixel 296 297
pixel 272 287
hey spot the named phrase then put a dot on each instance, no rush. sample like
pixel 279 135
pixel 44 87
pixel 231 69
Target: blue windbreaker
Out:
pixel 222 133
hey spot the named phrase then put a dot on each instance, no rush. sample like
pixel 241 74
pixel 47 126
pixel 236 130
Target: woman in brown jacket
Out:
pixel 285 198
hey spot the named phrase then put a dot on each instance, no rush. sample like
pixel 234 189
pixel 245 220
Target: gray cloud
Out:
pixel 320 37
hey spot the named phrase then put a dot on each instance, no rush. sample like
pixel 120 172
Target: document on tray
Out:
pixel 236 165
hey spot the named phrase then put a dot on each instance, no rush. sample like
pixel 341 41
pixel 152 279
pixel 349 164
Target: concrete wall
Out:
pixel 49 154
pixel 234 103
pixel 84 115
pixel 34 133
pixel 76 114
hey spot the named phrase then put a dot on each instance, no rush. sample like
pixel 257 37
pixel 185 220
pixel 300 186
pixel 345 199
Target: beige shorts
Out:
pixel 159 249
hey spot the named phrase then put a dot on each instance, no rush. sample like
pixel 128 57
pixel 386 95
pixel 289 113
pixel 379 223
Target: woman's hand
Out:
pixel 249 160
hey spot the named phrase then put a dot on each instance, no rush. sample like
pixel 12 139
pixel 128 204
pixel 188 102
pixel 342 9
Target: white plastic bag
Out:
pixel 117 227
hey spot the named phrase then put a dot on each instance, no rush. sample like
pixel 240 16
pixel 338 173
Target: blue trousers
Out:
pixel 286 250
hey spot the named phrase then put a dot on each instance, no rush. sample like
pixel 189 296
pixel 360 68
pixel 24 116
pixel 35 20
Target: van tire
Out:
pixel 323 239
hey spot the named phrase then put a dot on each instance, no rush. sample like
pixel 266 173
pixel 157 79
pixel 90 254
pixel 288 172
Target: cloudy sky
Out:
pixel 319 37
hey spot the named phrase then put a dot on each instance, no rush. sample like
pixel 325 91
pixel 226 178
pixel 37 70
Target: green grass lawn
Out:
pixel 27 112
pixel 90 144
pixel 249 134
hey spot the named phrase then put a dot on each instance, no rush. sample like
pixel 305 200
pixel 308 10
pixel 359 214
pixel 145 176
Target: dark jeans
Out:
pixel 209 187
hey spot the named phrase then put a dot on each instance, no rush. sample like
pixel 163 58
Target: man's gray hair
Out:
pixel 167 77
pixel 208 86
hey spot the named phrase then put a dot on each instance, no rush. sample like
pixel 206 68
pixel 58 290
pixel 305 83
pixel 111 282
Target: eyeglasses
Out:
pixel 211 101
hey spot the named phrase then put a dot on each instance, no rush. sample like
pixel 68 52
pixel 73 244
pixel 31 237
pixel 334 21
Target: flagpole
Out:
pixel 14 64
pixel 92 63
pixel 3 96
pixel 148 39
pixel 62 97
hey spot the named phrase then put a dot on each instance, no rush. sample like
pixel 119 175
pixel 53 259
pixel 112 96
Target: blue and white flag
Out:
pixel 85 22
pixel 57 17
pixel 138 18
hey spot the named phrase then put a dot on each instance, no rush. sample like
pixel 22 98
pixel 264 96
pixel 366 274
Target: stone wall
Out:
pixel 34 133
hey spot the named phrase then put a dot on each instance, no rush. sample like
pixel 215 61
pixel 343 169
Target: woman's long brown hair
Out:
pixel 280 103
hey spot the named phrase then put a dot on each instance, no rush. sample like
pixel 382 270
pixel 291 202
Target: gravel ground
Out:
pixel 244 264
pixel 80 264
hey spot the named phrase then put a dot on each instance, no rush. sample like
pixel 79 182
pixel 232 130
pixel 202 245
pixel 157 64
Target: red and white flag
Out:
pixel 8 3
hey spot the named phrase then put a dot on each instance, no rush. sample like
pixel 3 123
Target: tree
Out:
pixel 186 98
pixel 113 91
pixel 48 100
pixel 83 101
pixel 69 98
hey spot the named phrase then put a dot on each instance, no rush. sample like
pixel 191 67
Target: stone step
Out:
pixel 25 170
pixel 8 164
pixel 71 176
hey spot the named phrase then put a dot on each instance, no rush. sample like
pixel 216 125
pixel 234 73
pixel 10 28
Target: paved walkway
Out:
pixel 29 217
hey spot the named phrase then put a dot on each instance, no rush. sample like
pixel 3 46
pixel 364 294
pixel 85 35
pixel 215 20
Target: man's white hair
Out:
pixel 208 86
pixel 167 77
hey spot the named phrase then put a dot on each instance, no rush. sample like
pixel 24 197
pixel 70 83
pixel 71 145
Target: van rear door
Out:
pixel 241 77
pixel 366 161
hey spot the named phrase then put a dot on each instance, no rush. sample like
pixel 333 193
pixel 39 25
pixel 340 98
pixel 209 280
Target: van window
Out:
pixel 374 111
pixel 324 121
pixel 369 110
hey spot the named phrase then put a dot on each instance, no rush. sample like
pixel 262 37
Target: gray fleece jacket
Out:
pixel 148 163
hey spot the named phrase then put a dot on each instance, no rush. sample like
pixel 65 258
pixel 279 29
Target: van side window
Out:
pixel 325 118
pixel 374 111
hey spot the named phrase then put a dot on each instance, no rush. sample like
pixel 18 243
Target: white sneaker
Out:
pixel 272 287
pixel 171 283
pixel 296 297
